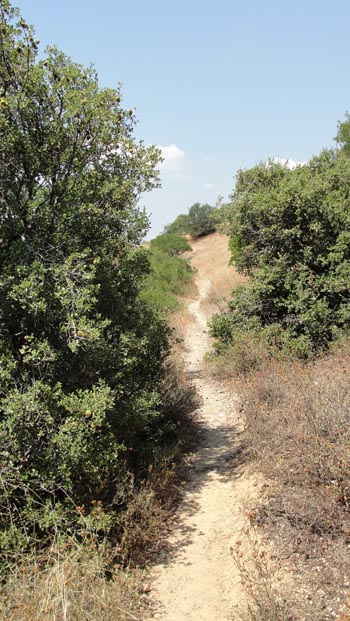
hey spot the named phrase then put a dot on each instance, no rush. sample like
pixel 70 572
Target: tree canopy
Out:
pixel 200 220
pixel 81 353
pixel 343 134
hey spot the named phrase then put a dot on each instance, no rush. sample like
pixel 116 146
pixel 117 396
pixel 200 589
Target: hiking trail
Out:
pixel 196 578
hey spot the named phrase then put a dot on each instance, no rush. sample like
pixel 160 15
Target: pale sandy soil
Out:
pixel 195 578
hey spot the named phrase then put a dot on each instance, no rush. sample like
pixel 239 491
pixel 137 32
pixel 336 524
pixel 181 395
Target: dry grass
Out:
pixel 80 580
pixel 89 578
pixel 250 353
pixel 298 430
pixel 211 256
pixel 69 584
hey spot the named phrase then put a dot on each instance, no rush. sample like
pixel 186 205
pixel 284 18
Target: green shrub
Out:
pixel 169 272
pixel 170 243
pixel 81 352
pixel 290 233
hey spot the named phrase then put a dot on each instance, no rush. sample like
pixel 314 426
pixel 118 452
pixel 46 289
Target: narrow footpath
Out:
pixel 197 579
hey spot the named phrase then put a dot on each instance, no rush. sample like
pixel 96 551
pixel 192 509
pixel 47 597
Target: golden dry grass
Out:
pixel 70 585
pixel 211 256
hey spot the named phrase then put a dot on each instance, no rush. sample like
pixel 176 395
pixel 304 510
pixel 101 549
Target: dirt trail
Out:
pixel 197 580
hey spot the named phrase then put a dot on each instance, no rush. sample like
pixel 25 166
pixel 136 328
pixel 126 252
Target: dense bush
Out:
pixel 290 232
pixel 81 353
pixel 201 220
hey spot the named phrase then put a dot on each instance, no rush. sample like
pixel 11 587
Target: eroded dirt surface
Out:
pixel 195 578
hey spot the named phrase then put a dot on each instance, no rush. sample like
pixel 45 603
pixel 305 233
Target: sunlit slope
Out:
pixel 211 258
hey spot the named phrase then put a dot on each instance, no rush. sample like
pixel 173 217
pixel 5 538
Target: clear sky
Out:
pixel 220 85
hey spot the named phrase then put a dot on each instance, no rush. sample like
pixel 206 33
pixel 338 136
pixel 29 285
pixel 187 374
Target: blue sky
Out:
pixel 220 85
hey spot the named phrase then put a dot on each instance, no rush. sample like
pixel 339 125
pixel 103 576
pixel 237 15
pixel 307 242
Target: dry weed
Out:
pixel 269 594
pixel 68 583
pixel 250 353
pixel 298 428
